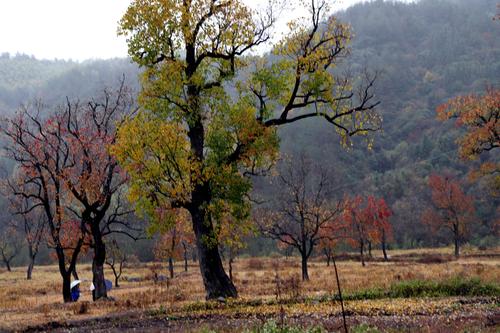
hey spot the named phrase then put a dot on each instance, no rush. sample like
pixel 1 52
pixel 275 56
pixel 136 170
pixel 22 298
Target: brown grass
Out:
pixel 24 303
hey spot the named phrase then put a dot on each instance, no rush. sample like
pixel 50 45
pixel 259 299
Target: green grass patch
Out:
pixel 421 288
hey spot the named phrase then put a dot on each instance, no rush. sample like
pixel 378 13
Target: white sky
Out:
pixel 82 29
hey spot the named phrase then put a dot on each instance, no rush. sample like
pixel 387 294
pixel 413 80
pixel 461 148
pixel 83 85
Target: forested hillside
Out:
pixel 425 53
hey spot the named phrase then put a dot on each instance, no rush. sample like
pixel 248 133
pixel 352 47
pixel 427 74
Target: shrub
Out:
pixel 434 259
pixel 255 263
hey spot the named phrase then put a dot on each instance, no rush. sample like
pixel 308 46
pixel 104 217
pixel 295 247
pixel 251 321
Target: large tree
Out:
pixel 207 130
pixel 33 143
pixel 93 177
pixel 480 116
pixel 66 169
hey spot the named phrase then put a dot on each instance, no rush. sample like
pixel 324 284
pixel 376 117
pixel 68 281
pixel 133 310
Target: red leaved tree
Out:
pixel 452 209
pixel 366 221
pixel 379 212
pixel 66 168
pixel 34 144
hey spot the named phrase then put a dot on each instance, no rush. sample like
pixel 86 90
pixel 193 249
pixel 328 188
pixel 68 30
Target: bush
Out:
pixel 434 259
pixel 255 264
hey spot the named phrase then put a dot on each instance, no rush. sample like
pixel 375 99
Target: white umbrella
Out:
pixel 108 284
pixel 75 283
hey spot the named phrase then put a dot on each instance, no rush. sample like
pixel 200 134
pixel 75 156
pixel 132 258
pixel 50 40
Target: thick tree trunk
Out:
pixel 67 288
pixel 457 247
pixel 7 264
pixel 217 283
pixel 98 263
pixel 185 258
pixel 29 271
pixel 384 251
pixel 305 273
pixel 171 267
pixel 32 252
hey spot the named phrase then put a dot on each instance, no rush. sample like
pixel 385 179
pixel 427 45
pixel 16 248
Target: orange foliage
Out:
pixel 480 115
pixel 453 209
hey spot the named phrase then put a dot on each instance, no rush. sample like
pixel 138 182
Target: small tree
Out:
pixel 32 223
pixel 380 213
pixel 452 209
pixel 302 211
pixel 327 247
pixel 10 246
pixel 173 242
pixel 230 235
pixel 115 259
pixel 366 221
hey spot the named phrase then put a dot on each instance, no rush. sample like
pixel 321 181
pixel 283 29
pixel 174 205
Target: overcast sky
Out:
pixel 81 29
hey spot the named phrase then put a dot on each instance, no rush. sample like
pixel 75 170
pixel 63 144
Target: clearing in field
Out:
pixel 415 291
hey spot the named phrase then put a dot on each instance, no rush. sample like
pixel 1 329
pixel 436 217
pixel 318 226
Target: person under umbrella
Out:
pixel 75 290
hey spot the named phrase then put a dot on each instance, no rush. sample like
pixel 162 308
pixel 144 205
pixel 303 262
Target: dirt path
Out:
pixel 483 321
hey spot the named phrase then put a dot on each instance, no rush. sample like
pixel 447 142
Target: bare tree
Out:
pixel 10 246
pixel 32 224
pixel 115 259
pixel 303 210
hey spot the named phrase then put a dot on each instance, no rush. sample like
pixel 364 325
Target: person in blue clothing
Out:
pixel 75 290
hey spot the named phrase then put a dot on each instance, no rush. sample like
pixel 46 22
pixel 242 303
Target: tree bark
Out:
pixel 370 249
pixel 7 264
pixel 67 287
pixel 31 264
pixel 185 258
pixel 384 249
pixel 305 273
pixel 457 247
pixel 362 258
pixel 231 267
pixel 98 262
pixel 171 267
pixel 217 283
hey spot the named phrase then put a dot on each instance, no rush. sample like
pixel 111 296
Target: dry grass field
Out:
pixel 179 303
